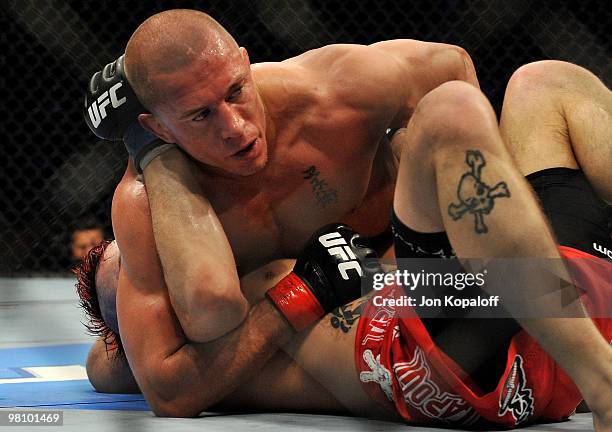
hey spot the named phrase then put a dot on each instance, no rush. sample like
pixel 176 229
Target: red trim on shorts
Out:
pixel 570 252
pixel 593 277
pixel 401 368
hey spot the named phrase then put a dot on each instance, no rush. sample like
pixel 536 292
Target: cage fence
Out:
pixel 54 171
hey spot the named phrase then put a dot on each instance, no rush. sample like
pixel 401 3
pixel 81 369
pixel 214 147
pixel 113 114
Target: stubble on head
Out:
pixel 168 42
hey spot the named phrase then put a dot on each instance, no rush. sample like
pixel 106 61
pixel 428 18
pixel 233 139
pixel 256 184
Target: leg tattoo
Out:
pixel 345 316
pixel 474 195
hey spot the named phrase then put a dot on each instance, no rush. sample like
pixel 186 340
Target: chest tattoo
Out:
pixel 323 192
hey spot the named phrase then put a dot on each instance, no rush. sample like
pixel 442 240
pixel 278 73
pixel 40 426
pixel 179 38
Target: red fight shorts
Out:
pixel 400 366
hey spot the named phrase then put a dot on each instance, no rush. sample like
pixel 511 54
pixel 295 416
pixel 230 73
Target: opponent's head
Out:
pixel 97 281
pixel 189 72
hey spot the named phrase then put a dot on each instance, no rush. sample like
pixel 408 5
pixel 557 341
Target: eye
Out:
pixel 235 94
pixel 201 115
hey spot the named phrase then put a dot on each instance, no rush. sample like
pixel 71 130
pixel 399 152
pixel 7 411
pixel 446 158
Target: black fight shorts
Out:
pixel 578 217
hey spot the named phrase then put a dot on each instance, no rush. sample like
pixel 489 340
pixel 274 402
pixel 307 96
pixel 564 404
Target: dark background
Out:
pixel 54 171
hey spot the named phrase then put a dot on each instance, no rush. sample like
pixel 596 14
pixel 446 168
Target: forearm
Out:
pixel 198 376
pixel 196 257
pixel 109 373
pixel 188 377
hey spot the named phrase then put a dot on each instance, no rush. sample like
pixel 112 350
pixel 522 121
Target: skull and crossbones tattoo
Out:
pixel 474 195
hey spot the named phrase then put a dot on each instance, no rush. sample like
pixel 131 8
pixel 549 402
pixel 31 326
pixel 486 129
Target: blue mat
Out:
pixel 75 394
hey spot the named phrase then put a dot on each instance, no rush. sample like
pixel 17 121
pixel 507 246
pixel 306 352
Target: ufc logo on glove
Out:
pixel 97 110
pixel 336 245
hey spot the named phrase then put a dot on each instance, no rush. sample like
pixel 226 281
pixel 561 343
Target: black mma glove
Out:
pixel 328 273
pixel 111 112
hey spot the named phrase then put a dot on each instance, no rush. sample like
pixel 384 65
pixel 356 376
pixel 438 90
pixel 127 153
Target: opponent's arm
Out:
pixel 111 373
pixel 198 264
pixel 180 378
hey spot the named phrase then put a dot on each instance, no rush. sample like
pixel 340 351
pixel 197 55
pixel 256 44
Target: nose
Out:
pixel 232 123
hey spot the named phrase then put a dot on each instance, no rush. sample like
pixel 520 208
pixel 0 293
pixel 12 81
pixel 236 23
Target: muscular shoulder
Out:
pixel 333 78
pixel 339 58
pixel 357 74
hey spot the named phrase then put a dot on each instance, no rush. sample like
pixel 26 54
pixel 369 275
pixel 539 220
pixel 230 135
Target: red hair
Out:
pixel 88 295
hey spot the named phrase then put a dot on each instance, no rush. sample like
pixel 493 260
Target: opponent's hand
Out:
pixel 327 274
pixel 111 112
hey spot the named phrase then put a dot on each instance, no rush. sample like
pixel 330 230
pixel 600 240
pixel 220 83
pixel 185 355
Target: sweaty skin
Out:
pixel 325 137
pixel 287 384
pixel 355 399
pixel 327 156
pixel 280 149
pixel 315 127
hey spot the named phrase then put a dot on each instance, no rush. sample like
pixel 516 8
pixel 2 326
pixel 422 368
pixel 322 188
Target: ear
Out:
pixel 153 125
pixel 245 55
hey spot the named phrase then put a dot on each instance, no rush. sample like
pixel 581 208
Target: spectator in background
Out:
pixel 87 233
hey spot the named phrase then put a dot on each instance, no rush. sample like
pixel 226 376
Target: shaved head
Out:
pixel 170 41
pixel 199 89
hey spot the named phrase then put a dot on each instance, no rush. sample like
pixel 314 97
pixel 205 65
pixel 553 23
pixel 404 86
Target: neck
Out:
pixel 270 123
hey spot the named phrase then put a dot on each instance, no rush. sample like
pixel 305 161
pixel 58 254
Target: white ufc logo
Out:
pixel 603 250
pixel 336 245
pixel 97 110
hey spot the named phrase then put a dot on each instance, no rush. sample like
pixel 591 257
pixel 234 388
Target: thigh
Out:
pixel 327 352
pixel 557 114
pixel 534 129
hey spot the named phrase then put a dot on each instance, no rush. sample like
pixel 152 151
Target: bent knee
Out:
pixel 455 110
pixel 543 78
pixel 451 94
